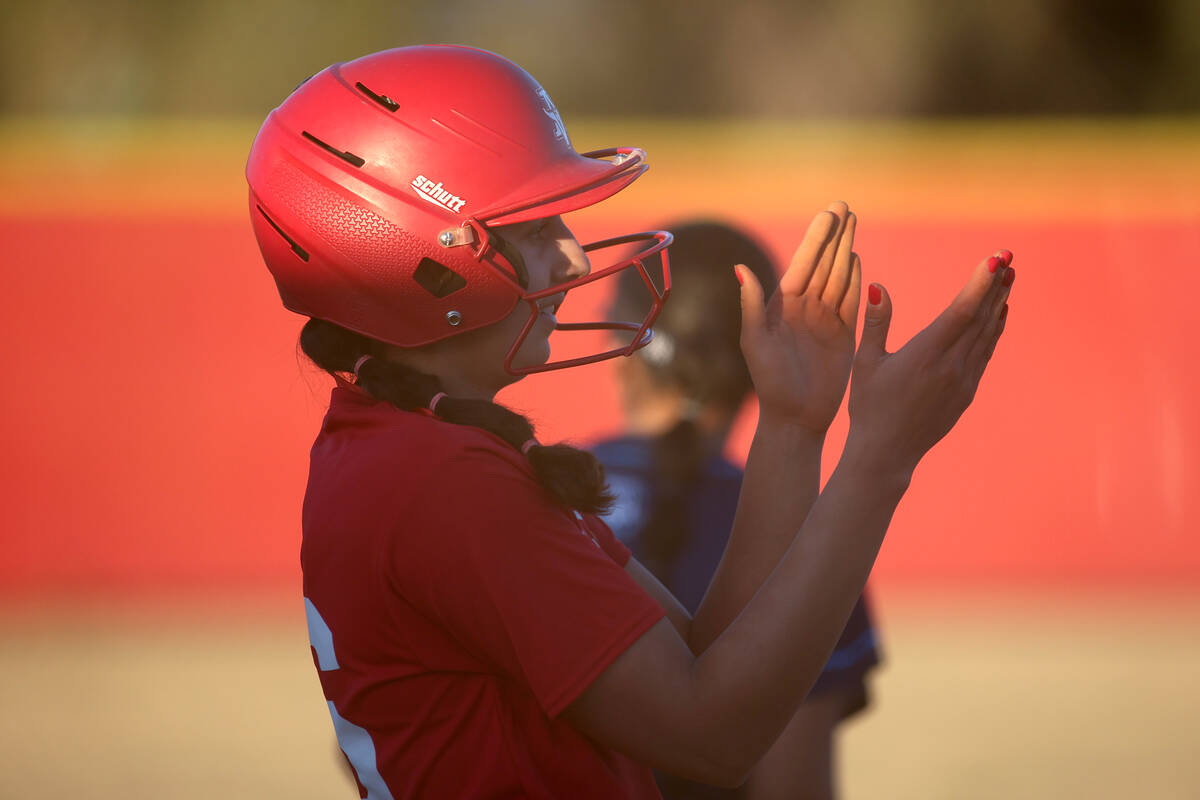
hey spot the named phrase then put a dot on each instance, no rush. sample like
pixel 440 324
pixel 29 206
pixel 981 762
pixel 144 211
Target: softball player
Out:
pixel 677 495
pixel 477 630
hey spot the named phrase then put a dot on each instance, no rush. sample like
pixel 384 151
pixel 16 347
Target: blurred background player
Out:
pixel 677 493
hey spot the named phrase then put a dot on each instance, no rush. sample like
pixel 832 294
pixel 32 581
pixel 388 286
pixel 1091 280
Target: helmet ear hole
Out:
pixel 437 279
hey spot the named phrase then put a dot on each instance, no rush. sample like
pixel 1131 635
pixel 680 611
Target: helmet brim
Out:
pixel 575 182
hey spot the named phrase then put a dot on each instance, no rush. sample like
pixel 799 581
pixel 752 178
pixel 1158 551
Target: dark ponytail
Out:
pixel 572 477
pixel 678 459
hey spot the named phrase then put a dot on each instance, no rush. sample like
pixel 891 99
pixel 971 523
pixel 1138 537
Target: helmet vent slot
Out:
pixel 382 99
pixel 297 249
pixel 342 154
pixel 437 279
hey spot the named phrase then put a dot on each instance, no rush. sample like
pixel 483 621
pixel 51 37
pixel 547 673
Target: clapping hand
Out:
pixel 903 403
pixel 799 346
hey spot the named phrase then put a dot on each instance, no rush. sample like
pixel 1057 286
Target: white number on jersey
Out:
pixel 355 741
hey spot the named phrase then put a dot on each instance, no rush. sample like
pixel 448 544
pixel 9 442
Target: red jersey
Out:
pixel 454 611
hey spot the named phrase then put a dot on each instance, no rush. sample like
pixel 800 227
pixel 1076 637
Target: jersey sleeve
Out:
pixel 527 587
pixel 607 540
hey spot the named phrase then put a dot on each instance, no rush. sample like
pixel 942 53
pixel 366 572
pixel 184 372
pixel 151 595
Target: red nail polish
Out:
pixel 1010 275
pixel 1005 256
pixel 737 273
pixel 992 263
pixel 874 295
pixel 1004 312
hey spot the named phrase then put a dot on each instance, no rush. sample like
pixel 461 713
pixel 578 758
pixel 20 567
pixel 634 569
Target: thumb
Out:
pixel 878 319
pixel 753 311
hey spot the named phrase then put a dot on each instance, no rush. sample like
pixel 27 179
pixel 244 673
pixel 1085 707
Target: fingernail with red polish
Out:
pixel 1005 256
pixel 874 294
pixel 737 273
pixel 992 263
pixel 1010 275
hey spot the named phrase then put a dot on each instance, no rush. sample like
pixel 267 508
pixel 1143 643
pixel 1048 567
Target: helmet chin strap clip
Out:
pixel 457 237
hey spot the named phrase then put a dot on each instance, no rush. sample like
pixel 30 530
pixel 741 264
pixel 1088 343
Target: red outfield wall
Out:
pixel 157 418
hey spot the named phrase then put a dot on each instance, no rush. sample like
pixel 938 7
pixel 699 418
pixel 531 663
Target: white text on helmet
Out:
pixel 434 193
pixel 551 111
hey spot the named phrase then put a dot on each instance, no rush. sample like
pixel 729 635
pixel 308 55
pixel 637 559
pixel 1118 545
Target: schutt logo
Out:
pixel 434 193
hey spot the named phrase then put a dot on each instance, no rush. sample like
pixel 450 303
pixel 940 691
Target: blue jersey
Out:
pixel 709 509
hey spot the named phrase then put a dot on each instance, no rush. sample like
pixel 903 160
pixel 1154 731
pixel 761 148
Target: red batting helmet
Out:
pixel 376 187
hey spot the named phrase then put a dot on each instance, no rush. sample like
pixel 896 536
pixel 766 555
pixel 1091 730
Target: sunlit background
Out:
pixel 1039 593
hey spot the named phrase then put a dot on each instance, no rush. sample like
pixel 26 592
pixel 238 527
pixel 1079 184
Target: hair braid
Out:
pixel 573 477
pixel 679 458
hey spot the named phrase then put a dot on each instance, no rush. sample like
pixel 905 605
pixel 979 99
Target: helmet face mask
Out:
pixel 650 243
pixel 377 186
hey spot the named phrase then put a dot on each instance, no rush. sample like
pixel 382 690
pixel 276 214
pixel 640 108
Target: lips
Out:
pixel 551 304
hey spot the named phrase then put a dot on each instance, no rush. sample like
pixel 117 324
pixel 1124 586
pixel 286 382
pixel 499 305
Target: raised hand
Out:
pixel 800 345
pixel 903 403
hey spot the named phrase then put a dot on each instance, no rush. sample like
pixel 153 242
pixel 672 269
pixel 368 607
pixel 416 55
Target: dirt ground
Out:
pixel 1101 703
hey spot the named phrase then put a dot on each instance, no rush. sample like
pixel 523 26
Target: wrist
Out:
pixel 880 461
pixel 787 429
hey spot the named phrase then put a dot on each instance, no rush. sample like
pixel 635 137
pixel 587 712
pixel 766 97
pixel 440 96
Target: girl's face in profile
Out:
pixel 552 255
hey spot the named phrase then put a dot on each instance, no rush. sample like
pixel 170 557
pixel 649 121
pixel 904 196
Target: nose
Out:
pixel 573 262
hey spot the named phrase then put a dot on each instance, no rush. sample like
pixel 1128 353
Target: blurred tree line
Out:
pixel 640 57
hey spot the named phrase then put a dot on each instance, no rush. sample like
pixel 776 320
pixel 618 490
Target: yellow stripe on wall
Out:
pixel 1051 170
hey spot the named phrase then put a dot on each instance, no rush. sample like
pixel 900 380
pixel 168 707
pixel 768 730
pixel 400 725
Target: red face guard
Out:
pixel 642 332
pixel 624 164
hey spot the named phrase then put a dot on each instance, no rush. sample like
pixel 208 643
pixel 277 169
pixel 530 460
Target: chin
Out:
pixel 532 355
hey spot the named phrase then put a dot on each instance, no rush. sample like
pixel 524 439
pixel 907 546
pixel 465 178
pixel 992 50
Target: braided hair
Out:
pixel 696 351
pixel 573 478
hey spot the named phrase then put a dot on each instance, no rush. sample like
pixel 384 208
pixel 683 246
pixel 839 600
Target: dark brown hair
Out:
pixel 572 477
pixel 700 356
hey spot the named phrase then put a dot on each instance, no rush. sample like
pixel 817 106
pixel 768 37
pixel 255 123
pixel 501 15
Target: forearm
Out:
pixel 715 714
pixel 782 481
pixel 756 673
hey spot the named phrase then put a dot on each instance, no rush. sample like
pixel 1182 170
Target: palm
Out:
pixel 908 400
pixel 800 347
